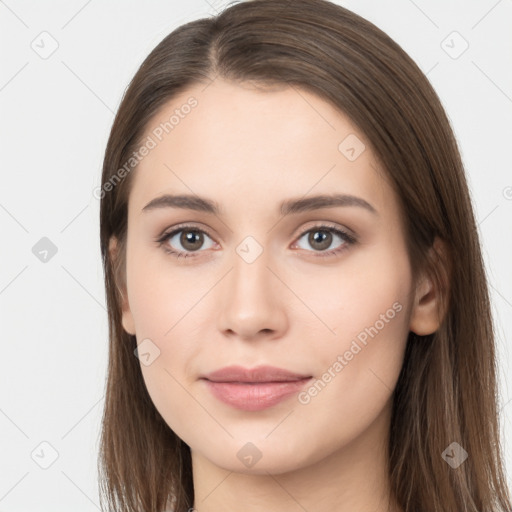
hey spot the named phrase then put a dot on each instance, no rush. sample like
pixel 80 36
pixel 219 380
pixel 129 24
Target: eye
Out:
pixel 322 237
pixel 190 238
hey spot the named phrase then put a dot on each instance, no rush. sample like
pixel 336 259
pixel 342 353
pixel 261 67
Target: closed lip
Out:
pixel 263 373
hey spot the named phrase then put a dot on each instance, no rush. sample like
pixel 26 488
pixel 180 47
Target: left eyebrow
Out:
pixel 324 201
pixel 290 206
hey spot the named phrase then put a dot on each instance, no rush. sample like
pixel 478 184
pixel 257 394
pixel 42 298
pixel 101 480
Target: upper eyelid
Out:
pixel 172 231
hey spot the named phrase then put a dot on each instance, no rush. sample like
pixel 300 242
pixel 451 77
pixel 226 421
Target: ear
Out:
pixel 429 304
pixel 126 314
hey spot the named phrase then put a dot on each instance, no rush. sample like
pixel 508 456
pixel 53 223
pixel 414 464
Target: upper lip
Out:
pixel 258 374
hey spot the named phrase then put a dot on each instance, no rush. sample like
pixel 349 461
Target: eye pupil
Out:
pixel 191 237
pixel 324 240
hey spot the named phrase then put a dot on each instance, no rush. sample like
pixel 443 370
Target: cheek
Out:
pixel 369 291
pixel 357 366
pixel 166 311
pixel 161 295
pixel 161 303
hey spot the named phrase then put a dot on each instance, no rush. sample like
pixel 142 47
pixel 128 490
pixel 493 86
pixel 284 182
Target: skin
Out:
pixel 249 149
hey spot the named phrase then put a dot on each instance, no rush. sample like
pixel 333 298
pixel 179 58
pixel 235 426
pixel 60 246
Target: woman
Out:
pixel 299 314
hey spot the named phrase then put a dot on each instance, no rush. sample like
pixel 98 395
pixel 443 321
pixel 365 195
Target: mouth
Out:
pixel 254 389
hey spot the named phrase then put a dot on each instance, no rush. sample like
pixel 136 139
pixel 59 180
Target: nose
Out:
pixel 252 300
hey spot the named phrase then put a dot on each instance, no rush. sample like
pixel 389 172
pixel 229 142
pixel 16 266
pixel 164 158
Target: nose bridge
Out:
pixel 250 301
pixel 250 276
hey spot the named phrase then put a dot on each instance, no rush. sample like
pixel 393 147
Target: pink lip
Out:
pixel 254 389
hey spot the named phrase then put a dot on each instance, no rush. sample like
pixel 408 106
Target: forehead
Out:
pixel 224 138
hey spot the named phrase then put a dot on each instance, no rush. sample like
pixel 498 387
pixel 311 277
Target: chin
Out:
pixel 262 456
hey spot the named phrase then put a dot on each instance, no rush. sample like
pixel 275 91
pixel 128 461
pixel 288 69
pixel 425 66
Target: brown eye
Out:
pixel 183 241
pixel 191 240
pixel 321 239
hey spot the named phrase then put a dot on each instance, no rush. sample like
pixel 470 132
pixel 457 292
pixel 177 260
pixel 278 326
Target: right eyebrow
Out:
pixel 185 201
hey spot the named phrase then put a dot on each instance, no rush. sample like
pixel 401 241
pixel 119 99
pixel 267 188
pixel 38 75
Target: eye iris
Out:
pixel 324 239
pixel 191 237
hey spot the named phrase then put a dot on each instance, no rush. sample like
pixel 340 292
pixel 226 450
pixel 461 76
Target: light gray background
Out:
pixel 56 113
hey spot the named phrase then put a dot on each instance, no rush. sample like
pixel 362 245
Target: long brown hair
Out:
pixel 447 390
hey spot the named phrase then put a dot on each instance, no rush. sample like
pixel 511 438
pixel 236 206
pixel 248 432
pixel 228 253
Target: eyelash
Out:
pixel 348 239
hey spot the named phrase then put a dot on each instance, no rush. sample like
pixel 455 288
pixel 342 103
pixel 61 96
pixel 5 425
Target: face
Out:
pixel 320 290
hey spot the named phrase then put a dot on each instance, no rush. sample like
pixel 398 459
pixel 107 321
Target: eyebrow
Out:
pixel 290 206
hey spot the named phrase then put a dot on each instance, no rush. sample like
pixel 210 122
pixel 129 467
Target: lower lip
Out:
pixel 255 396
